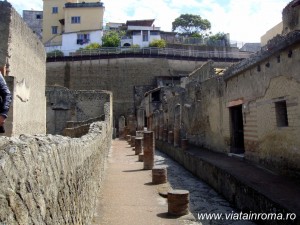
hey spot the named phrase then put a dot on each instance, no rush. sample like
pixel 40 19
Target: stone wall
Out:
pixel 65 105
pixel 262 87
pixel 49 179
pixel 25 57
pixel 117 75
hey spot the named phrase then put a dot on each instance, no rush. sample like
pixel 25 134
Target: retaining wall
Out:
pixel 46 179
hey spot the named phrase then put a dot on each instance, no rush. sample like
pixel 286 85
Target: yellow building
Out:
pixel 66 17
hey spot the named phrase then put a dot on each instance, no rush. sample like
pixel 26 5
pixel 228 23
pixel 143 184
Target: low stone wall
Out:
pixel 75 132
pixel 46 179
pixel 235 191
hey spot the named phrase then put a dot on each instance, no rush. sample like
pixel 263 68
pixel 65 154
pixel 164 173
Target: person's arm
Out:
pixel 6 100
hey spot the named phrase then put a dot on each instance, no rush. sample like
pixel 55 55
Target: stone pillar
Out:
pixel 141 157
pixel 156 124
pixel 184 144
pixel 139 134
pixel 177 125
pixel 128 138
pixel 131 124
pixel 140 119
pixel 178 202
pixel 126 131
pixel 159 175
pixel 161 125
pixel 149 145
pixel 138 145
pixel 170 137
pixel 132 142
pixel 150 122
pixel 121 127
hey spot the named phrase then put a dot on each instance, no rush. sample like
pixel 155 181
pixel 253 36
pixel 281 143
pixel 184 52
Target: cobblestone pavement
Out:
pixel 203 199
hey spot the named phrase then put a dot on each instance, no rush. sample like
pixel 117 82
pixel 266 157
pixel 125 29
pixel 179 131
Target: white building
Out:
pixel 139 32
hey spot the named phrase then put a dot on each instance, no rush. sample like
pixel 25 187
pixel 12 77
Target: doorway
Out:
pixel 237 130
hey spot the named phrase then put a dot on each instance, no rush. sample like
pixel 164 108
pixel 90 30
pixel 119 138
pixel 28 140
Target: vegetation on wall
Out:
pixel 55 53
pixel 92 46
pixel 158 43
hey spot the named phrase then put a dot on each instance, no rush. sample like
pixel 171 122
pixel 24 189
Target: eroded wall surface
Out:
pixel 65 105
pixel 49 179
pixel 257 85
pixel 25 56
pixel 117 75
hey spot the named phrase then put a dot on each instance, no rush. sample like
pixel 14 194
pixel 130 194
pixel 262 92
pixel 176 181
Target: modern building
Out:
pixel 138 32
pixel 34 19
pixel 70 25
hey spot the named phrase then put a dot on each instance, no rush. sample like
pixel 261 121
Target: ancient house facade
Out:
pixel 252 110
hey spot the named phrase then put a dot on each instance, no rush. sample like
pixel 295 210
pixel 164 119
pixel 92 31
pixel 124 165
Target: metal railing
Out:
pixel 154 52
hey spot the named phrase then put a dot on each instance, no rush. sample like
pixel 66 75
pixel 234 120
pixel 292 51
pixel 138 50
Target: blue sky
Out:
pixel 244 20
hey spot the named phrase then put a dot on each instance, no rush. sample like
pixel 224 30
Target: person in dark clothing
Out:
pixel 5 100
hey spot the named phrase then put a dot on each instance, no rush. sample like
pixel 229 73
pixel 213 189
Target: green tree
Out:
pixel 158 43
pixel 189 24
pixel 111 39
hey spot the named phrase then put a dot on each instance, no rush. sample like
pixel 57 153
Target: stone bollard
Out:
pixel 132 142
pixel 141 157
pixel 170 137
pixel 149 146
pixel 184 144
pixel 128 138
pixel 139 133
pixel 138 145
pixel 159 175
pixel 178 202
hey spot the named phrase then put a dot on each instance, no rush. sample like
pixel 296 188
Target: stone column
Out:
pixel 131 124
pixel 140 119
pixel 161 125
pixel 121 127
pixel 178 202
pixel 177 125
pixel 138 145
pixel 132 142
pixel 159 175
pixel 149 145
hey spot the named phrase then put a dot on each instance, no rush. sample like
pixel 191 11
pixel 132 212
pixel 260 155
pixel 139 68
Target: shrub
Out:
pixel 158 43
pixel 92 46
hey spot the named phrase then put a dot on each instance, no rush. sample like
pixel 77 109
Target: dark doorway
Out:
pixel 237 130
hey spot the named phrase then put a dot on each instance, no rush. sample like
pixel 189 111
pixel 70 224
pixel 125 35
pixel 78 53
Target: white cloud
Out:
pixel 246 21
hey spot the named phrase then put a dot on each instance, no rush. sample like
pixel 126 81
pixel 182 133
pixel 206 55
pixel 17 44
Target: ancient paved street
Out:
pixel 128 197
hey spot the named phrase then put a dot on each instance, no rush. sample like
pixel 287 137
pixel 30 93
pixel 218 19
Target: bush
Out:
pixel 55 53
pixel 92 46
pixel 158 43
